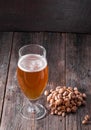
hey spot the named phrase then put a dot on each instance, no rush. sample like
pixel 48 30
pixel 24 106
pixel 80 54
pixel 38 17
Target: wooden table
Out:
pixel 69 60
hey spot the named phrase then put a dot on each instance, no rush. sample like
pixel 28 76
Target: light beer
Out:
pixel 32 75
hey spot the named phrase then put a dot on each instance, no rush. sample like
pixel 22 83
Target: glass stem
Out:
pixel 32 109
pixel 32 104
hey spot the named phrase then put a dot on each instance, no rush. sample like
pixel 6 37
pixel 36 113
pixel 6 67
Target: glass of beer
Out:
pixel 32 76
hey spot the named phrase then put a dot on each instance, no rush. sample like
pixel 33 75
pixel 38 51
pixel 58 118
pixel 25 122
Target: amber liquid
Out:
pixel 32 75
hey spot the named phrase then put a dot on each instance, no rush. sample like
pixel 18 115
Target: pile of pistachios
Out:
pixel 63 100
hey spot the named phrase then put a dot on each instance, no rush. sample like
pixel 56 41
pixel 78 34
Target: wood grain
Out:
pixel 55 46
pixel 56 60
pixel 78 66
pixel 69 61
pixel 5 51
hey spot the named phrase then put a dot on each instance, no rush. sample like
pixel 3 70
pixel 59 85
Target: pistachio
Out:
pixel 87 117
pixel 84 122
pixel 46 93
pixel 64 100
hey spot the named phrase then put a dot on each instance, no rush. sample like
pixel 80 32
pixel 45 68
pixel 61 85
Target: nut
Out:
pixel 57 88
pixel 84 122
pixel 63 114
pixel 60 113
pixel 84 95
pixel 65 93
pixel 51 90
pixel 74 108
pixel 49 97
pixel 70 95
pixel 61 90
pixel 68 109
pixel 58 108
pixel 87 117
pixel 46 93
pixel 58 102
pixel 75 89
pixel 56 112
pixel 51 101
pixel 79 103
pixel 64 100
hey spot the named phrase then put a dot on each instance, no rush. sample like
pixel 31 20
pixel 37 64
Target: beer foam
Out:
pixel 32 63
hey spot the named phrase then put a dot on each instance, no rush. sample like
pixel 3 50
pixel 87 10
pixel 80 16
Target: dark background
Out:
pixel 46 15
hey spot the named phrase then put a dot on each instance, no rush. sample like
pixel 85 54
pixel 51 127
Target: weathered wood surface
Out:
pixel 5 52
pixel 69 63
pixel 78 74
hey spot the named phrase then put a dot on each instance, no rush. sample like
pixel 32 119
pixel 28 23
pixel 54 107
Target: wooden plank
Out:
pixel 5 51
pixel 56 59
pixel 14 99
pixel 78 68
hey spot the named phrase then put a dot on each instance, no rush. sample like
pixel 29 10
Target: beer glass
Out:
pixel 32 76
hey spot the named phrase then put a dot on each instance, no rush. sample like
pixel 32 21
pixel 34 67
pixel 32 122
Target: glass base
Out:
pixel 33 111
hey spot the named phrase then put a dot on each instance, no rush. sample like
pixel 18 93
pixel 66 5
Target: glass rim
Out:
pixel 21 48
